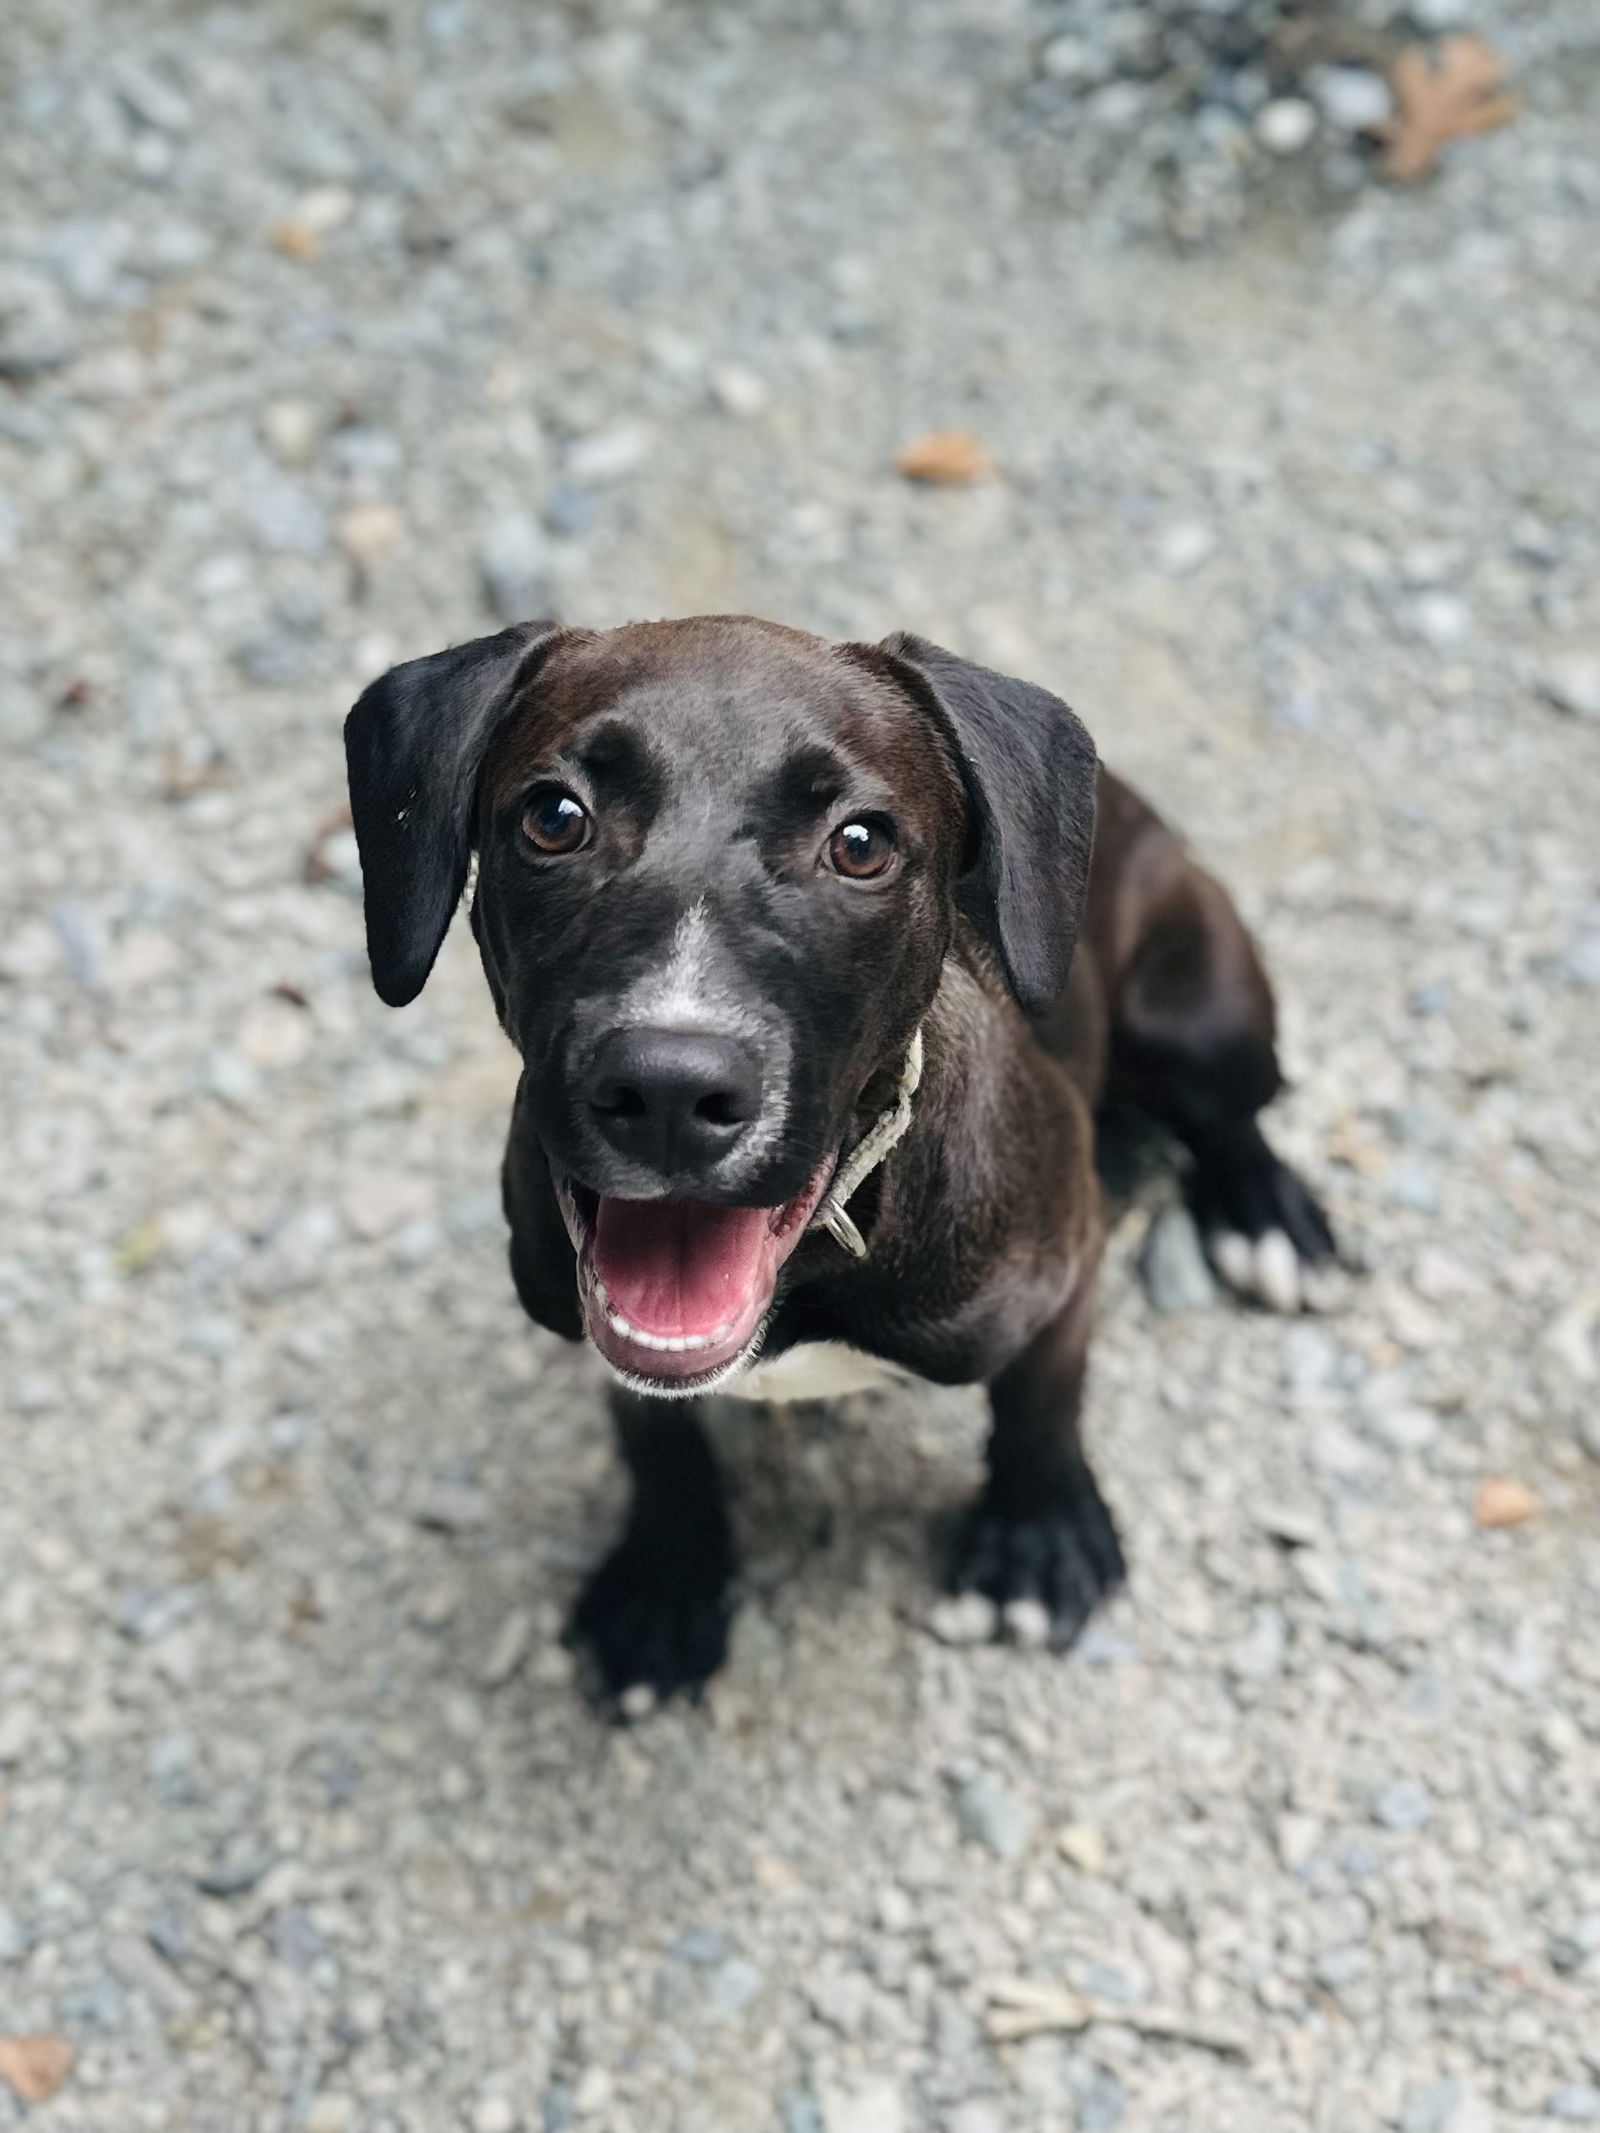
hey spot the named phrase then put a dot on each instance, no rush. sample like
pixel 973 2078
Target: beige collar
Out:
pixel 887 1134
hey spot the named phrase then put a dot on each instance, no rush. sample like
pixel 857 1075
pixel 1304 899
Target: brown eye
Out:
pixel 862 850
pixel 555 823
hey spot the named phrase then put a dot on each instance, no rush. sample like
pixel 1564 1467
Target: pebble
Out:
pixel 965 1618
pixel 236 1869
pixel 875 2106
pixel 1571 680
pixel 1173 1265
pixel 993 1817
pixel 1351 99
pixel 1577 2104
pixel 1404 1804
pixel 510 1648
pixel 1286 125
pixel 1440 619
pixel 1082 1846
pixel 495 2113
pixel 1260 1655
pixel 1447 2107
pixel 514 564
pixel 978 2116
pixel 1182 548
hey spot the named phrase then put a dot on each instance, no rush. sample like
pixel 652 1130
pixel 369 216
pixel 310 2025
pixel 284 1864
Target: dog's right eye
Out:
pixel 555 822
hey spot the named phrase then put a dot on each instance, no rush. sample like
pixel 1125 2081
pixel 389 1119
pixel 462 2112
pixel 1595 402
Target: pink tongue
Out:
pixel 675 1267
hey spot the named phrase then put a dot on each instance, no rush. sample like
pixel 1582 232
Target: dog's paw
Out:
pixel 1265 1231
pixel 651 1623
pixel 1035 1577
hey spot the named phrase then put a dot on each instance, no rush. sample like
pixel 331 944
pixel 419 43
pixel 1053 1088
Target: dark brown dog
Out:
pixel 784 932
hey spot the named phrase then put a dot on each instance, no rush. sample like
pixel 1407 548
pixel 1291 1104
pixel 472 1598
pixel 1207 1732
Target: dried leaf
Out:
pixel 1442 95
pixel 1029 2007
pixel 33 2068
pixel 1503 1502
pixel 944 456
pixel 295 239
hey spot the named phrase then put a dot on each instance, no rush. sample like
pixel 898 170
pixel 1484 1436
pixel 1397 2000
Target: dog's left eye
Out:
pixel 555 822
pixel 863 849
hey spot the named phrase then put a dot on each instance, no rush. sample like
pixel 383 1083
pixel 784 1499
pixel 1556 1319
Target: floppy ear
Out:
pixel 1031 775
pixel 414 745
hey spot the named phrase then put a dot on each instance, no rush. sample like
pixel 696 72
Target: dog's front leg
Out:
pixel 1040 1542
pixel 653 1619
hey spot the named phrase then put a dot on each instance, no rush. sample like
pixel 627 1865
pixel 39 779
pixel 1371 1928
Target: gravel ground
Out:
pixel 326 333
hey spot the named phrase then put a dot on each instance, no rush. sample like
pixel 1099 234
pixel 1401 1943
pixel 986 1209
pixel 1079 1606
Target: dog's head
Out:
pixel 720 865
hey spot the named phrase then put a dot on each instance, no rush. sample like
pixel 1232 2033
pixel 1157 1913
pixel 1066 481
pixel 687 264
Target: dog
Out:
pixel 821 960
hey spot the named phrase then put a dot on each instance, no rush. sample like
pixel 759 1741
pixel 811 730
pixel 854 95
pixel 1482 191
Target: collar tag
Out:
pixel 880 1140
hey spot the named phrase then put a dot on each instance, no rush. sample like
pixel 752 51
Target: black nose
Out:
pixel 675 1099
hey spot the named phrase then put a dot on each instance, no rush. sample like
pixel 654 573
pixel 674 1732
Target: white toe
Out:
pixel 1277 1272
pixel 1234 1260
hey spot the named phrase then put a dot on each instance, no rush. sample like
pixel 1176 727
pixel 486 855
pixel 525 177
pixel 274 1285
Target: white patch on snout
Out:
pixel 695 989
pixel 816 1370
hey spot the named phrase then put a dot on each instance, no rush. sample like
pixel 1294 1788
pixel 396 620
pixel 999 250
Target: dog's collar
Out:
pixel 863 1160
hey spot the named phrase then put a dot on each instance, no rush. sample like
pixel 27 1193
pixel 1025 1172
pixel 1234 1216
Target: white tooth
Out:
pixel 619 1324
pixel 602 1295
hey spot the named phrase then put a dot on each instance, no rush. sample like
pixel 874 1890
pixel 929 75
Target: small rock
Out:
pixel 1285 125
pixel 968 1618
pixel 1576 2104
pixel 1260 1655
pixel 18 1729
pixel 289 430
pixel 1082 1846
pixel 494 2114
pixel 509 1649
pixel 1182 548
pixel 993 1817
pixel 1571 680
pixel 1440 619
pixel 873 2107
pixel 732 1987
pixel 609 454
pixel 369 534
pixel 1501 1501
pixel 1447 2107
pixel 451 1507
pixel 242 1862
pixel 1351 99
pixel 13 1937
pixel 1173 1265
pixel 975 2117
pixel 1405 1804
pixel 514 565
pixel 331 2112
pixel 737 391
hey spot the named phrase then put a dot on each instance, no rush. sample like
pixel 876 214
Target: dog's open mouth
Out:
pixel 675 1293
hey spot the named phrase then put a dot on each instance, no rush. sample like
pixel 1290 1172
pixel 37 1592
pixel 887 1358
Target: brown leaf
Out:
pixel 33 2068
pixel 1442 95
pixel 1503 1502
pixel 943 455
pixel 295 239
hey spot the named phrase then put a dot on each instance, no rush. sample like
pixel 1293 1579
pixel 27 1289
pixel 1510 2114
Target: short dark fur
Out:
pixel 714 753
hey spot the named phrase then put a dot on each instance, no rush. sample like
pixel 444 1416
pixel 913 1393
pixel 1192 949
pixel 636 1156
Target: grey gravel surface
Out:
pixel 330 333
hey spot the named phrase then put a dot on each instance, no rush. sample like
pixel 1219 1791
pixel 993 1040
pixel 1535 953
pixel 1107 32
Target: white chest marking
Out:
pixel 816 1370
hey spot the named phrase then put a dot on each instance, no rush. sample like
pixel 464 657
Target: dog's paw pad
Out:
pixel 1040 1576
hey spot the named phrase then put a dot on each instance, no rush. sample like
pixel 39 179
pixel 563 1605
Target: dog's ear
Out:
pixel 1031 776
pixel 414 745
